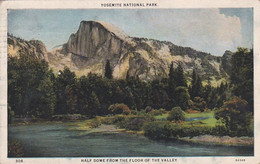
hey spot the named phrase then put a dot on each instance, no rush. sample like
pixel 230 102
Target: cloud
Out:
pixel 203 29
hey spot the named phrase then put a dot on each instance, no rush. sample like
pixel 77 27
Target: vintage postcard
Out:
pixel 129 81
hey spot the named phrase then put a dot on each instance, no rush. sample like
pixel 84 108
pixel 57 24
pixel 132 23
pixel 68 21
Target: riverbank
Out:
pixel 220 140
pixel 84 125
pixel 204 139
pixel 55 140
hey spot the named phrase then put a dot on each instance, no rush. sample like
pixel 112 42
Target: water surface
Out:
pixel 55 140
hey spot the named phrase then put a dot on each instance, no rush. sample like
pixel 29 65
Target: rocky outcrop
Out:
pixel 226 61
pixel 34 48
pixel 95 42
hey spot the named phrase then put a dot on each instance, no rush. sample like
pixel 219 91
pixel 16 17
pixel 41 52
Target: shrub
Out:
pixel 236 116
pixel 107 120
pixel 166 130
pixel 119 109
pixel 156 112
pixel 148 109
pixel 192 111
pixel 131 122
pixel 136 124
pixel 95 123
pixel 15 149
pixel 176 114
pixel 158 130
pixel 199 104
pixel 220 130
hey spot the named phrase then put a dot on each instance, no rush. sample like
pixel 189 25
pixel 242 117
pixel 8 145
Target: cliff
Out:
pixel 95 42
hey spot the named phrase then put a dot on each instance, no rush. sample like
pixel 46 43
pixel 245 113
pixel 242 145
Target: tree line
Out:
pixel 34 89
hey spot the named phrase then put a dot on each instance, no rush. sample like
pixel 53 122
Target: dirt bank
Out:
pixel 218 140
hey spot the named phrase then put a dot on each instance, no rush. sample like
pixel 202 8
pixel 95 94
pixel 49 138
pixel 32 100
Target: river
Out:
pixel 56 140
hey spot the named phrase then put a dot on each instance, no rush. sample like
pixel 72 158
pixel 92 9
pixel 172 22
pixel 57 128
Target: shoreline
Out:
pixel 220 140
pixel 202 139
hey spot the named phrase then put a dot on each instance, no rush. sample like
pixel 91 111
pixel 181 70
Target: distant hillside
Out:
pixel 17 46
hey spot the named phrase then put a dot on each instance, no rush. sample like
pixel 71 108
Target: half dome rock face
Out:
pixel 95 42
pixel 95 39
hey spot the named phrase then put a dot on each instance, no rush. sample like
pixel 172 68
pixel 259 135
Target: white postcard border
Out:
pixel 96 4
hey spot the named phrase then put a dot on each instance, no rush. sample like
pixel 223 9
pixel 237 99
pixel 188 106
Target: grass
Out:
pixel 203 114
pixel 188 115
pixel 211 122
pixel 160 117
pixel 87 124
pixel 79 125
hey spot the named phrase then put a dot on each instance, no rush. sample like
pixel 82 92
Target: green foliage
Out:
pixel 198 114
pixel 171 85
pixel 242 75
pixel 176 114
pixel 131 122
pixel 119 109
pixel 30 86
pixel 158 95
pixel 95 123
pixel 157 112
pixel 166 130
pixel 180 77
pixel 34 91
pixel 108 70
pixel 196 85
pixel 199 104
pixel 183 98
pixel 136 124
pixel 162 117
pixel 94 105
pixel 65 88
pixel 160 130
pixel 234 115
pixel 148 109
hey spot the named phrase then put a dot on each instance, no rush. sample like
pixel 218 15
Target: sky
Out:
pixel 209 30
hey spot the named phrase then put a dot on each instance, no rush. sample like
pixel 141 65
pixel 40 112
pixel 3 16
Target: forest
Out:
pixel 35 91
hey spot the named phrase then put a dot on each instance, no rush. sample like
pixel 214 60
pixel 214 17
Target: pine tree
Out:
pixel 108 70
pixel 171 85
pixel 196 85
pixel 65 88
pixel 182 97
pixel 242 75
pixel 180 77
pixel 127 75
pixel 93 105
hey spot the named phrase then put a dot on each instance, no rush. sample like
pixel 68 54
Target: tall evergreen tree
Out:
pixel 66 92
pixel 242 75
pixel 182 97
pixel 196 85
pixel 127 75
pixel 207 91
pixel 93 105
pixel 180 77
pixel 171 85
pixel 108 70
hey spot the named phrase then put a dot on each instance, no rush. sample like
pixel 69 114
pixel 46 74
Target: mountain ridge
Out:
pixel 95 42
